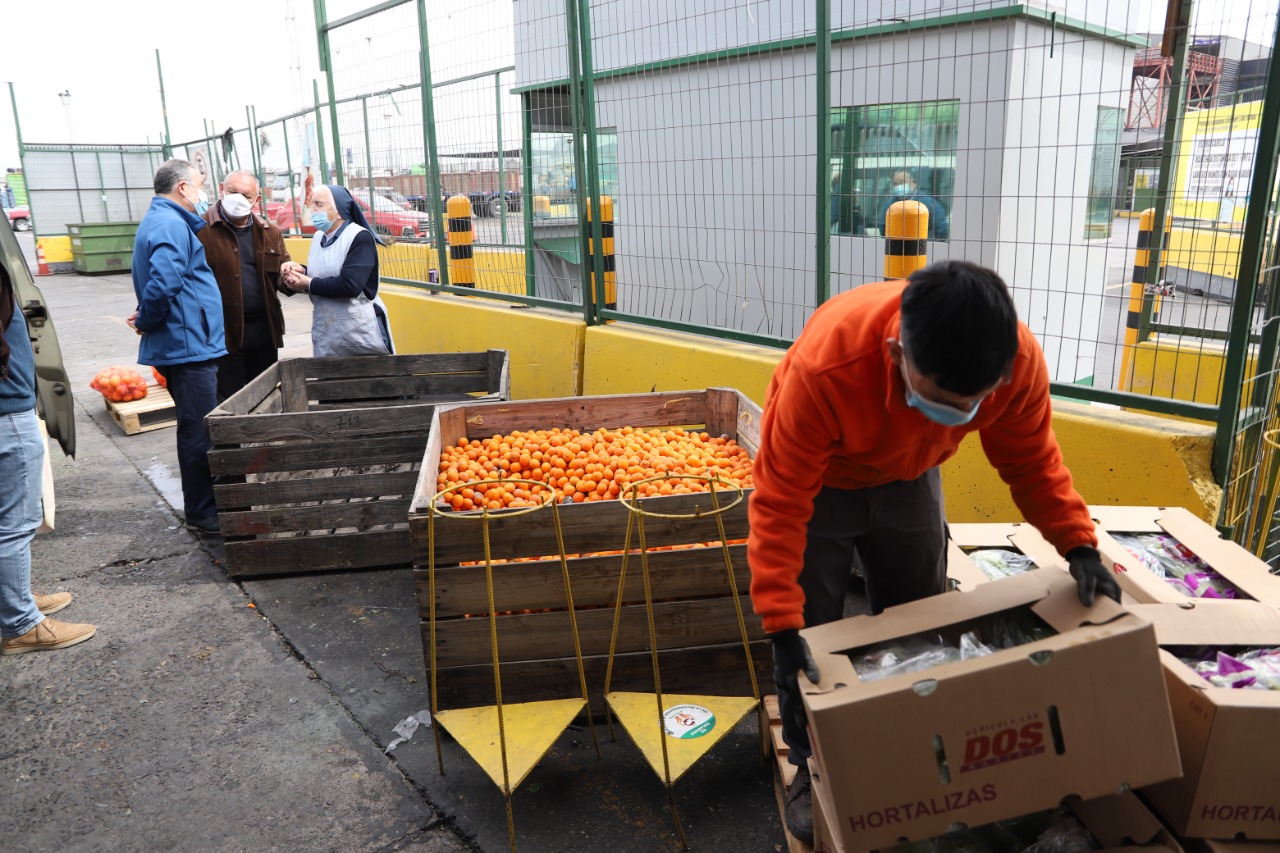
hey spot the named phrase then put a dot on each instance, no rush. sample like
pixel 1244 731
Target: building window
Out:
pixel 1104 172
pixel 884 153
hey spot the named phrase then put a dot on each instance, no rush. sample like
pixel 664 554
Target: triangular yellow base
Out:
pixel 638 713
pixel 530 727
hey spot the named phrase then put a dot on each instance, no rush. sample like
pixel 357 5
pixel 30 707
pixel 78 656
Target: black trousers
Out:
pixel 896 534
pixel 192 387
pixel 237 369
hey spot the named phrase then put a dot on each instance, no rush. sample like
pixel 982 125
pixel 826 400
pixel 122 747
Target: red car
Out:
pixel 19 217
pixel 388 218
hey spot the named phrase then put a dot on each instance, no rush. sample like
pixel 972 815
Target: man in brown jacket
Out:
pixel 245 252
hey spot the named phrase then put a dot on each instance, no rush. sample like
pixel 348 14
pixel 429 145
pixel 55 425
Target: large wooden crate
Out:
pixel 700 647
pixel 316 460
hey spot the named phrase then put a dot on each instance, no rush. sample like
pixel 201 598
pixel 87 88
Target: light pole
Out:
pixel 65 97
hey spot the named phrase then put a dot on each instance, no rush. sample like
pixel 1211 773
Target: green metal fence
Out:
pixel 749 152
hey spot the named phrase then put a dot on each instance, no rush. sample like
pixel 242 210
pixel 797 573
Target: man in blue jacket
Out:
pixel 179 317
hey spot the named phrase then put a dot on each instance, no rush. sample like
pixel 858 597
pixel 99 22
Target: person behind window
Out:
pixel 902 187
pixel 854 222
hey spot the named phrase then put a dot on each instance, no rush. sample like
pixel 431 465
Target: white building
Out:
pixel 1005 113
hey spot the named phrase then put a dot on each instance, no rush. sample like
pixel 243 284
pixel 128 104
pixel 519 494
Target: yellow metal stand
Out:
pixel 674 731
pixel 525 731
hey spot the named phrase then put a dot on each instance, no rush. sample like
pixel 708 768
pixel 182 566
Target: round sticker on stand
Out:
pixel 688 721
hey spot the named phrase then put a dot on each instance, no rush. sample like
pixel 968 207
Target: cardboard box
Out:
pixel 1120 822
pixel 1083 712
pixel 1246 572
pixel 1229 739
pixel 1017 536
pixel 1202 845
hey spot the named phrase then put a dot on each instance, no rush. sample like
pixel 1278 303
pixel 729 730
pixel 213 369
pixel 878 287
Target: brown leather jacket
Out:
pixel 222 251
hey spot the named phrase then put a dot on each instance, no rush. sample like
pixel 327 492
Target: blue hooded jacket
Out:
pixel 179 304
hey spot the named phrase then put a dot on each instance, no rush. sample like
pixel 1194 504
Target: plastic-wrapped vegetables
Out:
pixel 1177 565
pixel 997 563
pixel 913 654
pixel 1257 668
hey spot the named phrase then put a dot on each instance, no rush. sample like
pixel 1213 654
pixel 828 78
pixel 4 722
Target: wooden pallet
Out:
pixel 154 411
pixel 786 772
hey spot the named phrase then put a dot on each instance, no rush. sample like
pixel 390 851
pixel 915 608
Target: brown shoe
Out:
pixel 52 603
pixel 49 634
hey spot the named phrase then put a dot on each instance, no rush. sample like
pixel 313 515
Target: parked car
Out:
pixel 54 402
pixel 19 217
pixel 387 218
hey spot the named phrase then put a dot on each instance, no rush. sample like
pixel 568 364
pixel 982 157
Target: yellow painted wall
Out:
pixel 1117 458
pixel 499 270
pixel 622 359
pixel 1205 250
pixel 57 250
pixel 545 346
pixel 1185 370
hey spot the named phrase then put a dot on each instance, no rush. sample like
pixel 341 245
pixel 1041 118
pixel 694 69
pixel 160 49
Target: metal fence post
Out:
pixel 164 108
pixel 598 299
pixel 579 168
pixel 368 152
pixel 526 193
pixel 326 65
pixel 822 224
pixel 324 163
pixel 429 141
pixel 502 168
pixel 294 212
pixel 1251 248
pixel 22 154
pixel 1168 150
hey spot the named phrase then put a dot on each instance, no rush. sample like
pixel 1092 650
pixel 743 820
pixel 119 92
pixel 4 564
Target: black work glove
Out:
pixel 1091 575
pixel 790 655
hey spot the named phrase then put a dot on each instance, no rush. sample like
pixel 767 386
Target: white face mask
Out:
pixel 236 205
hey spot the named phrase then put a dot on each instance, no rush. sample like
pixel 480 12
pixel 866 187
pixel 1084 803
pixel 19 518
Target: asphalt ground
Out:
pixel 215 715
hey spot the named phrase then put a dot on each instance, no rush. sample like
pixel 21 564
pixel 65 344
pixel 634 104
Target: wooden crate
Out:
pixel 154 411
pixel 315 461
pixel 700 647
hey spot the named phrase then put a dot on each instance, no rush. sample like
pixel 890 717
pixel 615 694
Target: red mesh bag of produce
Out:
pixel 164 383
pixel 120 384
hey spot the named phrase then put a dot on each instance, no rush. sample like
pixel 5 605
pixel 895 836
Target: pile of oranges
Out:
pixel 581 467
pixel 119 384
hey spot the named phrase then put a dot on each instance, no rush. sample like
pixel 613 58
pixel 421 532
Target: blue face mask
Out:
pixel 902 189
pixel 939 413
pixel 201 203
pixel 320 221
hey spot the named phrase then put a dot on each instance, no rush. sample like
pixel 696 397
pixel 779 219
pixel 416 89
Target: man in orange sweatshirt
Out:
pixel 877 392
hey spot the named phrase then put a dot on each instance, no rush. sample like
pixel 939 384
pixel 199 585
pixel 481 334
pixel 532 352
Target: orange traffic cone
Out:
pixel 42 266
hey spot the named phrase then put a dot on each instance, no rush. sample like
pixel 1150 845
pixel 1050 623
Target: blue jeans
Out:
pixel 21 460
pixel 194 388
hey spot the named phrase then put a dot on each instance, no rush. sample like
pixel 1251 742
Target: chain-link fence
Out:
pixel 725 169
pixel 71 184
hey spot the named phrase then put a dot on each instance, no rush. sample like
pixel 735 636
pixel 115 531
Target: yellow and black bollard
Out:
pixel 906 238
pixel 606 243
pixel 462 260
pixel 1138 293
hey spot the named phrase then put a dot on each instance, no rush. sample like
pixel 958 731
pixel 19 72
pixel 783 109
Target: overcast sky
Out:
pixel 219 56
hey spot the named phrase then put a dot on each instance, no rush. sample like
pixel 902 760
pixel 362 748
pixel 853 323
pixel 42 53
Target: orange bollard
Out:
pixel 462 260
pixel 906 239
